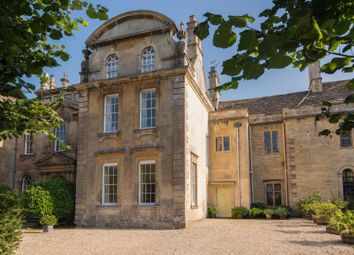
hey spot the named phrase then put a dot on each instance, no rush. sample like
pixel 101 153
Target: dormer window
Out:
pixel 148 60
pixel 112 66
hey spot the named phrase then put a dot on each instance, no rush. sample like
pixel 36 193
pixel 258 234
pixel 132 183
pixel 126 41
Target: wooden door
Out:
pixel 224 201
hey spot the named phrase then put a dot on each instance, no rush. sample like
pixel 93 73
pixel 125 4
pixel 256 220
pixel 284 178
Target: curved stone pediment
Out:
pixel 129 24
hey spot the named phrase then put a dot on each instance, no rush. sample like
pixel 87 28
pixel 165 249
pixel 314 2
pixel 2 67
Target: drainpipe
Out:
pixel 251 162
pixel 285 162
pixel 238 125
pixel 14 165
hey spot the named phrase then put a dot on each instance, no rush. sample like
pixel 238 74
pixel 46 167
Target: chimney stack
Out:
pixel 315 78
pixel 64 80
pixel 194 43
pixel 213 83
pixel 52 83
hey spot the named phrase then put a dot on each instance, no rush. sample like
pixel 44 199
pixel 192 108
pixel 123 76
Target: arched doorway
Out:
pixel 348 184
pixel 26 181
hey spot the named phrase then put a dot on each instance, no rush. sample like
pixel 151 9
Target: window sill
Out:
pixel 105 134
pixel 26 156
pixel 108 205
pixel 346 147
pixel 149 205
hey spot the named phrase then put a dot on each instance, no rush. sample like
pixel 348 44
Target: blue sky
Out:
pixel 271 83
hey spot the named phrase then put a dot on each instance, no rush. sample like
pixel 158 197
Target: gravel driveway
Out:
pixel 209 236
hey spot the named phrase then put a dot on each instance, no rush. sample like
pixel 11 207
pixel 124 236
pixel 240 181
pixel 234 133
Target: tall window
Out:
pixel 147 183
pixel 112 66
pixel 110 186
pixel 271 142
pixel 348 184
pixel 60 134
pixel 273 194
pixel 194 196
pixel 111 112
pixel 26 181
pixel 148 60
pixel 346 138
pixel 148 109
pixel 222 143
pixel 29 144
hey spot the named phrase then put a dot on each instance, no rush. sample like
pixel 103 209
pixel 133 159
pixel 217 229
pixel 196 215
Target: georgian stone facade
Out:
pixel 151 146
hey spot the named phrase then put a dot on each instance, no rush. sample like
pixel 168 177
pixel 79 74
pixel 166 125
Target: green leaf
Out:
pixel 350 85
pixel 279 61
pixel 214 19
pixel 64 56
pixel 91 12
pixel 248 40
pixel 55 34
pixel 231 66
pixel 266 13
pixel 335 118
pixel 224 37
pixel 202 30
pixel 240 21
pixel 252 70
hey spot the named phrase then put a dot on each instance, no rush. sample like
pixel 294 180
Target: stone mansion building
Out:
pixel 151 144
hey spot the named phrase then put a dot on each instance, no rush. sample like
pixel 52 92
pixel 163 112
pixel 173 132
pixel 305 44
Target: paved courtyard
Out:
pixel 209 236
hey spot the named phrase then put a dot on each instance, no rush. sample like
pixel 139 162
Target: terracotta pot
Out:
pixel 47 229
pixel 346 238
pixel 331 230
pixel 268 216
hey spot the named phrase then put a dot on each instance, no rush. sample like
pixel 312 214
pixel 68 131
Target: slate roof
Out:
pixel 332 91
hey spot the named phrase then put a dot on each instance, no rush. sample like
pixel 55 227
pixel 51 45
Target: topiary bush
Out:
pixel 48 220
pixel 62 193
pixel 10 221
pixel 36 202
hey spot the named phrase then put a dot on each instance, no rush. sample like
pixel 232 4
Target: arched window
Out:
pixel 348 184
pixel 148 60
pixel 26 181
pixel 112 66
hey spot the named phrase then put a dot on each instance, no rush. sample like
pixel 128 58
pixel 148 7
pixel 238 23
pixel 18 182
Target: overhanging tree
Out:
pixel 291 32
pixel 29 31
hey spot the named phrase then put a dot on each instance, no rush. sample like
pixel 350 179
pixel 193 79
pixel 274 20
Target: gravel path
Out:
pixel 209 236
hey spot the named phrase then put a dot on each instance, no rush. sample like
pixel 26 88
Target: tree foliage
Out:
pixel 10 221
pixel 29 36
pixel 291 32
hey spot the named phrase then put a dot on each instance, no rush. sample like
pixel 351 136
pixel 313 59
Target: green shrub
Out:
pixel 10 221
pixel 281 211
pixel 62 193
pixel 255 212
pixel 268 211
pixel 341 204
pixel 306 204
pixel 48 220
pixel 325 210
pixel 238 212
pixel 336 222
pixel 348 221
pixel 259 205
pixel 36 202
pixel 212 211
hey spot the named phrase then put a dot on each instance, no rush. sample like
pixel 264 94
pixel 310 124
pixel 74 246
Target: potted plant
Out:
pixel 306 204
pixel 268 212
pixel 347 235
pixel 336 223
pixel 212 211
pixel 48 222
pixel 255 212
pixel 239 212
pixel 282 212
pixel 324 212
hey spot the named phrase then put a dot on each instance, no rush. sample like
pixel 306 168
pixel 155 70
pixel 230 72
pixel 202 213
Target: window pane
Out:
pixel 147 184
pixel 110 187
pixel 226 143
pixel 111 116
pixel 348 184
pixel 148 60
pixel 148 109
pixel 346 138
pixel 267 143
pixel 194 184
pixel 218 143
pixel 112 66
pixel 60 134
pixel 275 141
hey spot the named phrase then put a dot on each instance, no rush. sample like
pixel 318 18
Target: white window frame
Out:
pixel 57 141
pixel 24 181
pixel 141 108
pixel 347 135
pixel 29 149
pixel 105 114
pixel 109 69
pixel 103 184
pixel 148 54
pixel 271 142
pixel 146 162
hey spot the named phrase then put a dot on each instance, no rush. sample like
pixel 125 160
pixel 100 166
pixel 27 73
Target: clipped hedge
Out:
pixel 10 221
pixel 36 202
